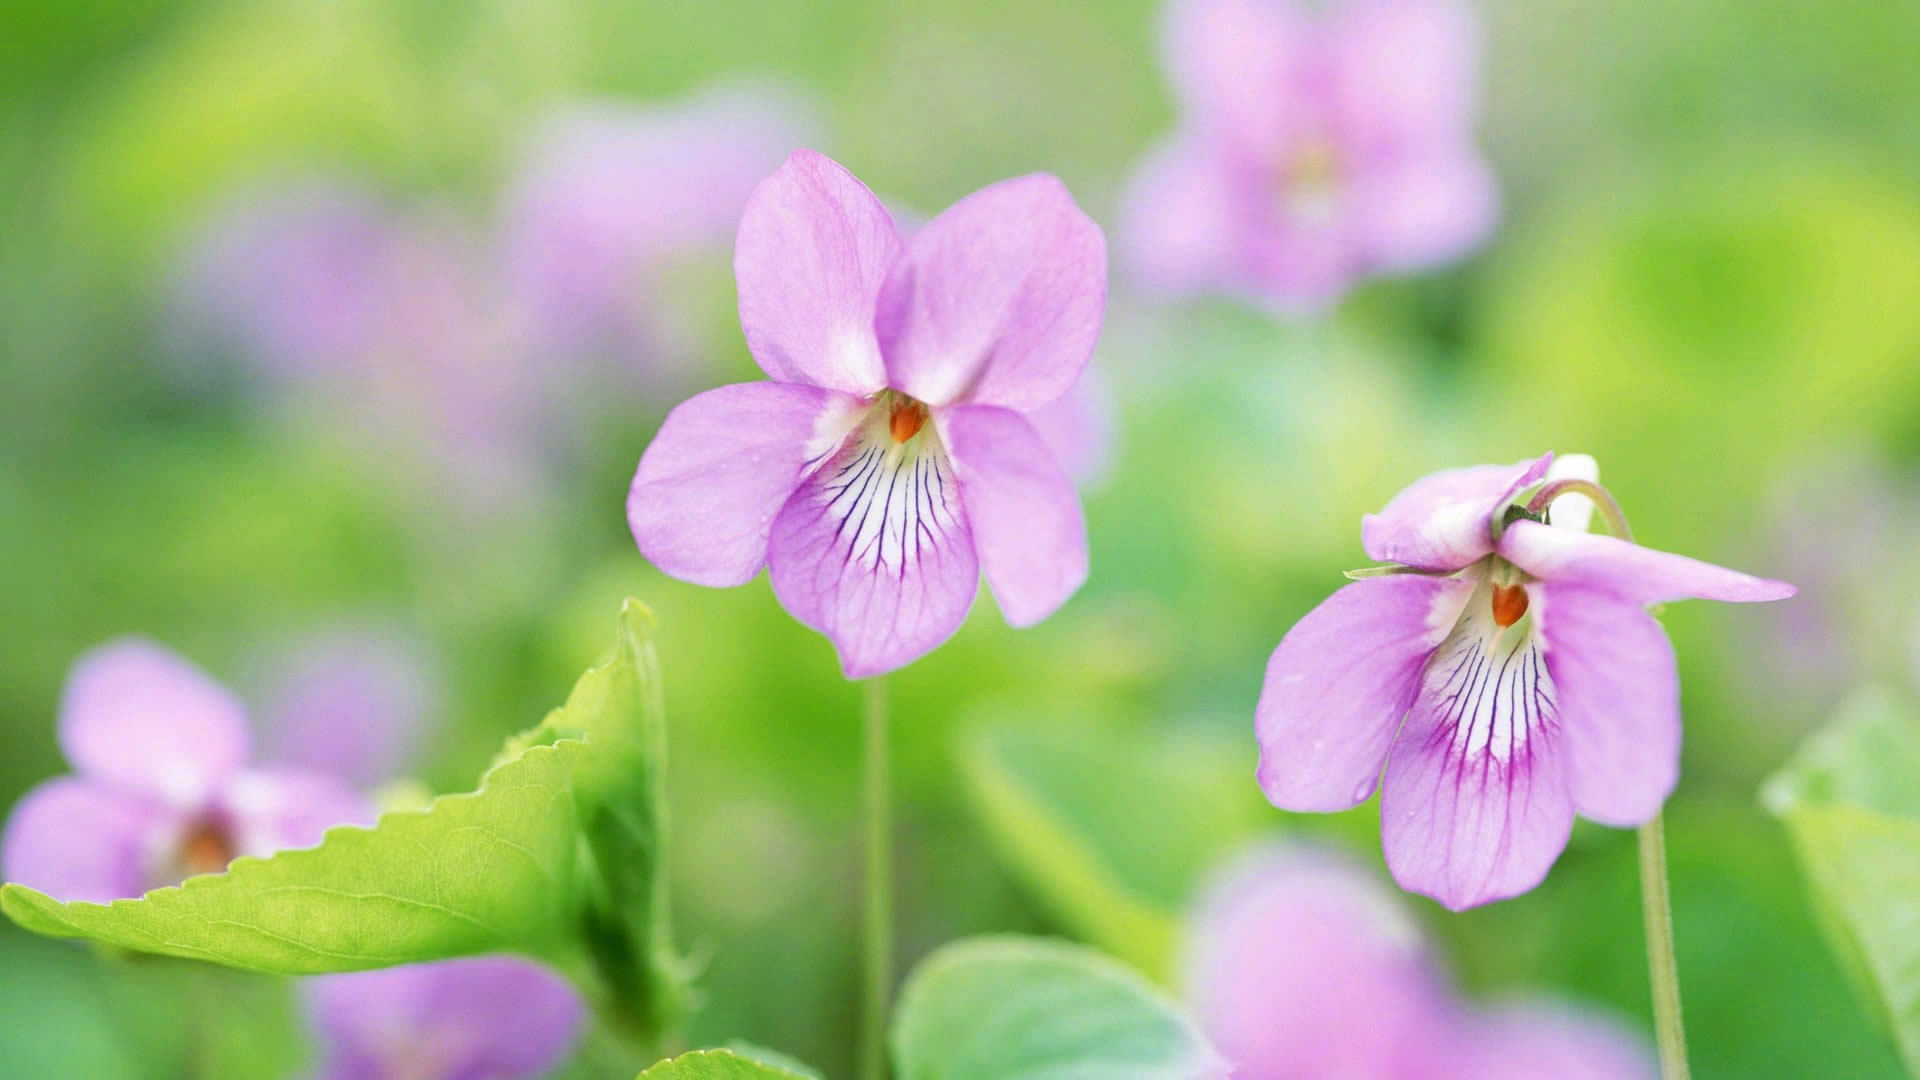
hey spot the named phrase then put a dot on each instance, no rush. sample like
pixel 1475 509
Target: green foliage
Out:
pixel 1013 1008
pixel 1850 801
pixel 726 1065
pixel 557 855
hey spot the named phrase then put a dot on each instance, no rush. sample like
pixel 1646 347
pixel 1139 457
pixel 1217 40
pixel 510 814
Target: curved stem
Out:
pixel 878 928
pixel 1656 908
pixel 1603 501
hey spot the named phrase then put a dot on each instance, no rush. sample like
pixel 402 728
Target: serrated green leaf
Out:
pixel 720 1065
pixel 557 855
pixel 1851 804
pixel 1069 817
pixel 774 1058
pixel 1014 1008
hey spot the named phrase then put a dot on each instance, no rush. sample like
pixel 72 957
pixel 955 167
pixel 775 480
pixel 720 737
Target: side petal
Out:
pixel 79 839
pixel 1444 521
pixel 1238 67
pixel 722 465
pixel 1546 1039
pixel 874 551
pixel 1619 694
pixel 1476 805
pixel 1028 528
pixel 1339 684
pixel 1423 211
pixel 999 299
pixel 814 248
pixel 1183 229
pixel 1636 573
pixel 274 809
pixel 141 716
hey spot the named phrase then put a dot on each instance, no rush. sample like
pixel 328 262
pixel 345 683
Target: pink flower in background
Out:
pixel 1532 681
pixel 607 196
pixel 161 789
pixel 352 703
pixel 891 458
pixel 477 1018
pixel 1314 149
pixel 1301 966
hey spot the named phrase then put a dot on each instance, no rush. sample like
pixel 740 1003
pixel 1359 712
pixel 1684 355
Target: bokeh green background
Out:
pixel 1708 276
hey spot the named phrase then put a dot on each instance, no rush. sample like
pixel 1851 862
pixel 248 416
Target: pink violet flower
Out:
pixel 1533 682
pixel 1300 965
pixel 161 790
pixel 890 459
pixel 474 1018
pixel 1314 150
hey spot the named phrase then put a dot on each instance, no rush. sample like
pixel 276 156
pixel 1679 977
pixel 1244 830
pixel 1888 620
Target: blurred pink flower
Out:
pixel 1532 681
pixel 162 790
pixel 1314 149
pixel 476 1018
pixel 891 458
pixel 1301 966
pixel 352 703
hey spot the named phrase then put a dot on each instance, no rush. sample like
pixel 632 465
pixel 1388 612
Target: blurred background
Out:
pixel 332 333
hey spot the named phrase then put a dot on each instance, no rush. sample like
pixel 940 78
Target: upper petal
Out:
pixel 1340 682
pixel 814 248
pixel 1422 211
pixel 722 465
pixel 999 299
pixel 481 1015
pixel 1626 569
pixel 1404 72
pixel 874 551
pixel 1619 698
pixel 1540 1040
pixel 142 716
pixel 1028 528
pixel 75 838
pixel 355 703
pixel 1445 521
pixel 1238 67
pixel 1573 510
pixel 1293 950
pixel 1476 805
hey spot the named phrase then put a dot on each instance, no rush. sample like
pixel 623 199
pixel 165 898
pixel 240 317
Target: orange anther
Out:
pixel 1509 603
pixel 906 420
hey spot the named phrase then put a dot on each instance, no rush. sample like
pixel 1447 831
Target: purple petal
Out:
pixel 999 300
pixel 1028 528
pixel 1476 805
pixel 270 810
pixel 79 839
pixel 141 716
pixel 1339 684
pixel 350 704
pixel 1628 570
pixel 1423 211
pixel 814 248
pixel 1183 230
pixel 1619 695
pixel 1078 428
pixel 874 551
pixel 720 469
pixel 1293 953
pixel 491 1017
pixel 1405 72
pixel 1444 521
pixel 1240 68
pixel 1549 1041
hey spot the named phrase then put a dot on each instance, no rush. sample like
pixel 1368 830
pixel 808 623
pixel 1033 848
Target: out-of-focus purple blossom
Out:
pixel 608 196
pixel 1504 671
pixel 476 1018
pixel 161 789
pixel 350 703
pixel 1314 149
pixel 890 461
pixel 1301 965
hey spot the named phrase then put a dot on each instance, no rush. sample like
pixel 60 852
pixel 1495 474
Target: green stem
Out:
pixel 1657 909
pixel 879 888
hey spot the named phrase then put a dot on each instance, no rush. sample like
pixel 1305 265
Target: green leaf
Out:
pixel 1851 803
pixel 1013 1008
pixel 1112 833
pixel 558 855
pixel 771 1057
pixel 722 1065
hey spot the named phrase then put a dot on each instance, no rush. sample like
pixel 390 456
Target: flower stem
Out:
pixel 879 888
pixel 1657 909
